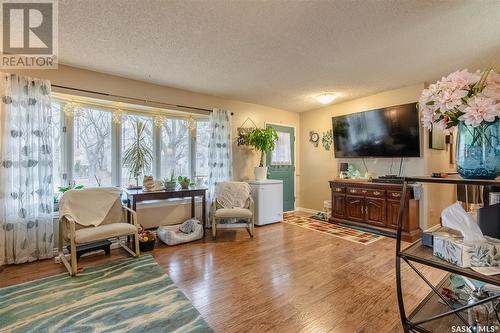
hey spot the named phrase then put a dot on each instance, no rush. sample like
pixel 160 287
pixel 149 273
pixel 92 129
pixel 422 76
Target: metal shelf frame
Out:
pixel 401 256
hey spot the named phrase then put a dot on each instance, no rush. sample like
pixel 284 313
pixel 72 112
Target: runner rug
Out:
pixel 332 229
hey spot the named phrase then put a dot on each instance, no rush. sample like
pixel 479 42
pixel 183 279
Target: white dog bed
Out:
pixel 171 235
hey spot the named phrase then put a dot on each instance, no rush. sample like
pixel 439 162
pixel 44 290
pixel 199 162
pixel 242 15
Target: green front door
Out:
pixel 281 164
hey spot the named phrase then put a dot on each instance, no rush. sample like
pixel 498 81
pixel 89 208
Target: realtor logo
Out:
pixel 29 34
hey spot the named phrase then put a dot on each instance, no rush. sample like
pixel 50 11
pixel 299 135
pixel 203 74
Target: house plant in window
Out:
pixel 171 183
pixel 138 156
pixel 469 101
pixel 184 181
pixel 263 140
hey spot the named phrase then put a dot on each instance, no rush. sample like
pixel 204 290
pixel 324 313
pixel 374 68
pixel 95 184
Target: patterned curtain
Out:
pixel 220 161
pixel 26 190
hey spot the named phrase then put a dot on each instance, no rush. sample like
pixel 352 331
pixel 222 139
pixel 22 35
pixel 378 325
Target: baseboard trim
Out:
pixel 306 210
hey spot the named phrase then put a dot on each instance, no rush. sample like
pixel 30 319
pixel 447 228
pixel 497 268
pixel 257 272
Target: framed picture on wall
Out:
pixel 437 139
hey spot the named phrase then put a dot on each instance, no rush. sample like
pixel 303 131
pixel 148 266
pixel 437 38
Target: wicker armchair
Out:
pixel 245 213
pixel 114 225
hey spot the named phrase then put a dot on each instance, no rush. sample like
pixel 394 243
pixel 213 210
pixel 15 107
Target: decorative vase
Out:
pixel 478 150
pixel 260 173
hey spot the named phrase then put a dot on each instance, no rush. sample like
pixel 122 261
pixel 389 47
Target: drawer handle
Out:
pixel 364 191
pixel 376 193
pixel 396 195
pixel 353 191
pixel 338 189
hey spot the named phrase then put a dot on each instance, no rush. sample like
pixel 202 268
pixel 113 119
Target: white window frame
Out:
pixel 67 141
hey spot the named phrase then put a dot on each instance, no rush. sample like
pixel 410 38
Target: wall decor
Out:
pixel 244 131
pixel 327 139
pixel 437 138
pixel 314 138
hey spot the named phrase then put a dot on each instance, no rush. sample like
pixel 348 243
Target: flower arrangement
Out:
pixel 471 102
pixel 469 97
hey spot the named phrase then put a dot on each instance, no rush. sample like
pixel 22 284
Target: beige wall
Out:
pixel 314 166
pixel 319 166
pixel 244 158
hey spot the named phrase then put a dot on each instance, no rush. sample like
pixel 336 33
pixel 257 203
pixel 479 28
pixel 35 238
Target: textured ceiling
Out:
pixel 280 53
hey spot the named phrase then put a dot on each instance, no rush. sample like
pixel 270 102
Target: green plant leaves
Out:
pixel 264 140
pixel 139 155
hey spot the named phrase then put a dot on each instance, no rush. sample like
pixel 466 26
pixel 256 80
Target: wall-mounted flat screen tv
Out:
pixel 387 132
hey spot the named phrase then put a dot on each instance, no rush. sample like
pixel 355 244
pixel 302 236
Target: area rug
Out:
pixel 133 295
pixel 350 234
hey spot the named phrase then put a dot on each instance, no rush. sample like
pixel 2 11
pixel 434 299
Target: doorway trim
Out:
pixel 294 156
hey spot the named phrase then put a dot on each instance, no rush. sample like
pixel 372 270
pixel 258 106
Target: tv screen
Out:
pixel 386 132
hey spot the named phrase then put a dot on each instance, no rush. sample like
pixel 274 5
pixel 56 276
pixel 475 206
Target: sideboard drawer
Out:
pixel 394 195
pixel 356 191
pixel 338 189
pixel 375 193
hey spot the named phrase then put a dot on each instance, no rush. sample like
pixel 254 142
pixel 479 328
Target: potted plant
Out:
pixel 171 183
pixel 262 140
pixel 469 101
pixel 184 181
pixel 147 239
pixel 138 156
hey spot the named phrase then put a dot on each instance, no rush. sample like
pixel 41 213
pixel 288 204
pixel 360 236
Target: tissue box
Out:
pixel 454 251
pixel 438 230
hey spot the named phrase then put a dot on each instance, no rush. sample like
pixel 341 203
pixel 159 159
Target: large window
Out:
pixel 57 135
pixel 137 149
pixel 202 139
pixel 175 157
pixel 92 148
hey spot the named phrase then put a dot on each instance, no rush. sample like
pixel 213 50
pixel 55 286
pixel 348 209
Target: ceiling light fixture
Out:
pixel 326 98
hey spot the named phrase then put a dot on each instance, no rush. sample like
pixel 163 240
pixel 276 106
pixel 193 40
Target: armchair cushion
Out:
pixel 225 213
pixel 92 234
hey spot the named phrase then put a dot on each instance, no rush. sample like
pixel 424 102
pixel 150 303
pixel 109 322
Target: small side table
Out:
pixel 104 245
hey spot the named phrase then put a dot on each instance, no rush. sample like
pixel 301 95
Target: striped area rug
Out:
pixel 350 234
pixel 133 295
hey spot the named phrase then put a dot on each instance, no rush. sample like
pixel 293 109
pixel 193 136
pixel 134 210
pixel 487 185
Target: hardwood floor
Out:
pixel 287 279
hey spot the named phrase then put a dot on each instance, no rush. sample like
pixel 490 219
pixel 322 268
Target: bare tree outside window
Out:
pixel 202 139
pixel 92 148
pixel 174 148
pixel 57 144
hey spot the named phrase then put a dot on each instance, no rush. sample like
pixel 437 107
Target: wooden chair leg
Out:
pixel 250 227
pixel 137 251
pixel 74 263
pixel 214 229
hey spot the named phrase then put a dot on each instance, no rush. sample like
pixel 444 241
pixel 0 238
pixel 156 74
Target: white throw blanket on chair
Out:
pixel 232 194
pixel 88 206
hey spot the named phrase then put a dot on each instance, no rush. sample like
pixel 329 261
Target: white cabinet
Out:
pixel 268 198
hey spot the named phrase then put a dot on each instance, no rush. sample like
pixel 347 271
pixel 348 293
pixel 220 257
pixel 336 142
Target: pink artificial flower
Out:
pixel 442 124
pixel 427 118
pixel 450 99
pixel 478 109
pixel 492 89
pixel 462 79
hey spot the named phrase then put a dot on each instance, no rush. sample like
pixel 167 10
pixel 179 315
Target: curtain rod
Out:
pixel 133 98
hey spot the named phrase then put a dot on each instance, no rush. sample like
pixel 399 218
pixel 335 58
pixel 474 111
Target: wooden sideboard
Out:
pixel 374 206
